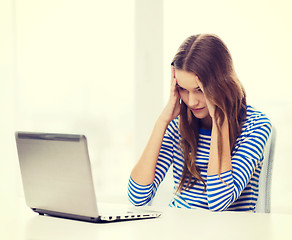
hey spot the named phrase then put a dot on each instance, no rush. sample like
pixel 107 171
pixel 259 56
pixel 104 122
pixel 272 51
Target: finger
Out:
pixel 173 85
pixel 172 73
pixel 176 88
pixel 173 90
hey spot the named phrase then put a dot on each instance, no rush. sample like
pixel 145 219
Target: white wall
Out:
pixel 148 69
pixel 258 34
pixel 69 68
pixel 9 167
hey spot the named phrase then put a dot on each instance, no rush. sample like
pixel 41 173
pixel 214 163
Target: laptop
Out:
pixel 57 179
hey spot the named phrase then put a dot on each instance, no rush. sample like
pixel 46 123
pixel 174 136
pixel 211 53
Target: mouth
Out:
pixel 197 109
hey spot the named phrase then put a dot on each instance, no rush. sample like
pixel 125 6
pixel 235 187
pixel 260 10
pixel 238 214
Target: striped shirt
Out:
pixel 241 191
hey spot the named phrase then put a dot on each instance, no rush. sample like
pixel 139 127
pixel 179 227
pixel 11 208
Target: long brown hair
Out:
pixel 208 57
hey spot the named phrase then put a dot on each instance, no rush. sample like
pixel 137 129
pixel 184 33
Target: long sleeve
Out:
pixel 238 189
pixel 246 157
pixel 140 195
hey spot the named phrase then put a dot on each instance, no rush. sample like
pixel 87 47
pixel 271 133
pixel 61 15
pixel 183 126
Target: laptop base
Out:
pixel 43 212
pixel 99 219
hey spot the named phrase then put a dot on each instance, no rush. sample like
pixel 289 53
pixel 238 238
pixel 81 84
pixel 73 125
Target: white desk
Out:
pixel 173 224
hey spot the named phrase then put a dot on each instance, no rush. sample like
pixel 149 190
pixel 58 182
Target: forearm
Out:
pixel 223 191
pixel 144 171
pixel 214 163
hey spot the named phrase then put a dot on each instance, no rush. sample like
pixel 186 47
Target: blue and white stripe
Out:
pixel 241 191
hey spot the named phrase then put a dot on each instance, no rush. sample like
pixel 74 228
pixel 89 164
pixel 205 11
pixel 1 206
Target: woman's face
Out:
pixel 191 94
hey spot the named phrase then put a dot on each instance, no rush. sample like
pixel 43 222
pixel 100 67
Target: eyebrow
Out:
pixel 184 88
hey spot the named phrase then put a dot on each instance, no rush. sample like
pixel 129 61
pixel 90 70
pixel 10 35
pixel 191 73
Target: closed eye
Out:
pixel 180 88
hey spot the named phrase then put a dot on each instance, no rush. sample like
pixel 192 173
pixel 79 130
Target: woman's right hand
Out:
pixel 172 108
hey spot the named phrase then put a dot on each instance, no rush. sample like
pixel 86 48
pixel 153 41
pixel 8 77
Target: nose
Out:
pixel 193 100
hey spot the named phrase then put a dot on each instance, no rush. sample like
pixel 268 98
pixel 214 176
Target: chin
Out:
pixel 201 115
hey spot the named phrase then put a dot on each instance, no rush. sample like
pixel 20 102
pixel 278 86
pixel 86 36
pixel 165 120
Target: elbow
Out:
pixel 139 195
pixel 138 204
pixel 220 205
pixel 221 198
pixel 216 208
pixel 138 201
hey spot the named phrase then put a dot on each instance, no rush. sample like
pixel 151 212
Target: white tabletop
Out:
pixel 173 224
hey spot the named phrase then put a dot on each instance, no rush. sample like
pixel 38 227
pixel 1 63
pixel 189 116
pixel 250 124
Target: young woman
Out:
pixel 214 141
